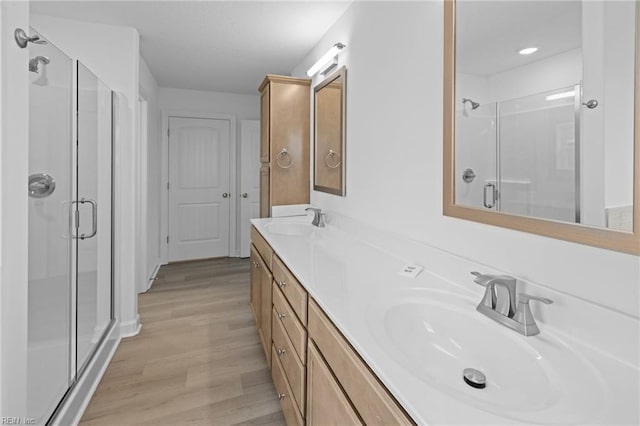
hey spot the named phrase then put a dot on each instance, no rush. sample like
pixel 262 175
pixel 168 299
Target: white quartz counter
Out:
pixel 356 283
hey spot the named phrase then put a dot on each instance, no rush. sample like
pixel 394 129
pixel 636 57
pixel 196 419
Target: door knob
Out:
pixel 245 195
pixel 226 195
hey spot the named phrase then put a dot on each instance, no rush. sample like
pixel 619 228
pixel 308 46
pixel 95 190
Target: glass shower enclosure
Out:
pixel 70 224
pixel 521 156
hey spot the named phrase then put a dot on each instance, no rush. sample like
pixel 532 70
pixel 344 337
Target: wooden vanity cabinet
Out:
pixel 284 142
pixel 319 378
pixel 327 403
pixel 290 333
pixel 368 396
pixel 261 282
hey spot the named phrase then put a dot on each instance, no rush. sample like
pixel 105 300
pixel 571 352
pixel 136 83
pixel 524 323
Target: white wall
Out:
pixel 394 158
pixel 112 53
pixel 14 213
pixel 150 92
pixel 243 107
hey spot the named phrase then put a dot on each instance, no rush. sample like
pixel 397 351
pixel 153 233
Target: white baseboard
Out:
pixel 76 402
pixel 130 328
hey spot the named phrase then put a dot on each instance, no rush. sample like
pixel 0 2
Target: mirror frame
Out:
pixel 594 236
pixel 341 72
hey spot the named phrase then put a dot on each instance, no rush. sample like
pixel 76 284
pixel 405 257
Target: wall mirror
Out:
pixel 540 112
pixel 329 134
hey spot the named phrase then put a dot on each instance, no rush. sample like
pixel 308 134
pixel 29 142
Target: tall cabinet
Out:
pixel 284 142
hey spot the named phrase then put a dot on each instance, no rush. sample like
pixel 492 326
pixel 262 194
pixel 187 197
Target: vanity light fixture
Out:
pixel 561 95
pixel 528 50
pixel 331 54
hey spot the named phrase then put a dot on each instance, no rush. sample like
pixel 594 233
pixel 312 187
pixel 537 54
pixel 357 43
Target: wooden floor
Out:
pixel 197 360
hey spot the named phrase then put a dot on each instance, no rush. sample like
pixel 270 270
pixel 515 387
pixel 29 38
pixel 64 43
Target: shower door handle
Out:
pixel 493 195
pixel 94 218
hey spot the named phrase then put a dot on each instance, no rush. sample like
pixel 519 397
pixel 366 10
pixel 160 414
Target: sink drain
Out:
pixel 474 378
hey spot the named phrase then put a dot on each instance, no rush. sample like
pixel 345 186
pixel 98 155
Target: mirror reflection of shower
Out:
pixel 474 105
pixel 34 66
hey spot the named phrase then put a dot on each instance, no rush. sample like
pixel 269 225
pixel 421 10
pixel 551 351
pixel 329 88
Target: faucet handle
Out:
pixel 525 317
pixel 524 298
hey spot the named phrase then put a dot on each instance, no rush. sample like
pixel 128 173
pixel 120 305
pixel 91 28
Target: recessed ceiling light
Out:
pixel 528 50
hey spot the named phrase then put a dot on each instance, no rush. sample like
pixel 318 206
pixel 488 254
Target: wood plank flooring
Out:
pixel 197 360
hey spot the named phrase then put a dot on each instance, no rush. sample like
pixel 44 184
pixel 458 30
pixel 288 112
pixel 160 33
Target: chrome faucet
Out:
pixel 318 217
pixel 501 306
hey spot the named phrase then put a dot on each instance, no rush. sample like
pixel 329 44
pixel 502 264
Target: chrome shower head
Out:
pixel 474 105
pixel 35 62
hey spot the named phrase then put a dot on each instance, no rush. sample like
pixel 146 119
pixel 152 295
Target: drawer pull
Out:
pixel 256 265
pixel 281 396
pixel 282 284
pixel 282 316
pixel 281 352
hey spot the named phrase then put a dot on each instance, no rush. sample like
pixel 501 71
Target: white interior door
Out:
pixel 249 180
pixel 199 198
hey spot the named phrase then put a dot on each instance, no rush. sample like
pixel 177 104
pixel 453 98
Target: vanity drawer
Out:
pixel 295 294
pixel 293 368
pixel 287 403
pixel 294 329
pixel 372 401
pixel 262 246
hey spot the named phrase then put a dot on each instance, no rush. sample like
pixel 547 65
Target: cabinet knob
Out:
pixel 281 352
pixel 226 195
pixel 245 195
pixel 281 316
pixel 281 396
pixel 256 265
pixel 281 284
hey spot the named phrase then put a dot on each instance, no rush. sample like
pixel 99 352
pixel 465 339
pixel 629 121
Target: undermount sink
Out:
pixel 290 228
pixel 436 335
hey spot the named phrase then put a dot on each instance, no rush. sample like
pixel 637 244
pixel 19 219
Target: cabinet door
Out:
pixel 265 310
pixel 256 285
pixel 265 199
pixel 264 124
pixel 326 403
pixel 289 143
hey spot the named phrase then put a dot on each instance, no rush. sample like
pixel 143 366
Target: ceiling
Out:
pixel 225 46
pixel 490 33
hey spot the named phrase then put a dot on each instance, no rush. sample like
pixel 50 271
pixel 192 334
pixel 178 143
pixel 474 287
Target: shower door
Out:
pixel 70 224
pixel 93 217
pixel 521 156
pixel 50 282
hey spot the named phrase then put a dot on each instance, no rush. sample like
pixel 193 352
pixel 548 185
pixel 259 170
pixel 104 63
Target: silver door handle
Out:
pixel 245 195
pixel 493 195
pixel 226 195
pixel 94 218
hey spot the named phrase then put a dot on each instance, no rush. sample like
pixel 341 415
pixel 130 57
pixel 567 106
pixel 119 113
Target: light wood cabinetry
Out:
pixel 284 142
pixel 256 282
pixel 372 401
pixel 319 377
pixel 261 283
pixel 328 405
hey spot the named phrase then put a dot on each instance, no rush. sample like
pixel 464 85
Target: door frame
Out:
pixel 234 250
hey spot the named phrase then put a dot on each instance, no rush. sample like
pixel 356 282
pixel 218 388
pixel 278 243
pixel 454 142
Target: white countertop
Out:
pixel 354 281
